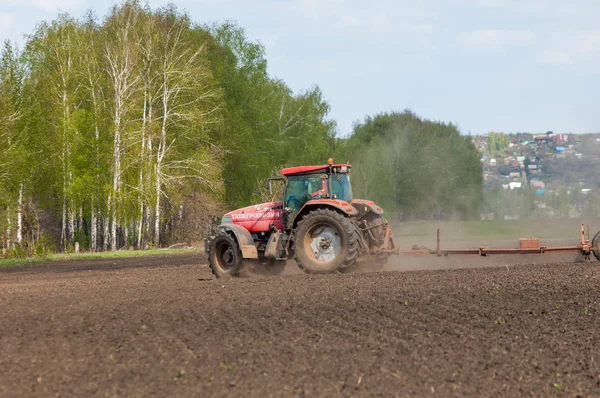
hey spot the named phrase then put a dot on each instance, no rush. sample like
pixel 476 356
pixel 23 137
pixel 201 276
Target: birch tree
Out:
pixel 11 142
pixel 92 86
pixel 120 54
pixel 187 98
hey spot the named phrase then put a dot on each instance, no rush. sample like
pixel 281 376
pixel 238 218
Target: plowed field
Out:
pixel 163 327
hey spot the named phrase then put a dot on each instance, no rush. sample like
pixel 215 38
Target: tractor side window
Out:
pixel 340 186
pixel 301 189
pixel 295 193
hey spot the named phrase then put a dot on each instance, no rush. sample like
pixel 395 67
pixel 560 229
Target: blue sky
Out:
pixel 485 65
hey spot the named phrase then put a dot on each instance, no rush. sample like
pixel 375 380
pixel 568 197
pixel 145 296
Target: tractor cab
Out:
pixel 315 184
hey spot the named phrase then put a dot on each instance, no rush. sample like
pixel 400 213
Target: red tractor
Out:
pixel 318 224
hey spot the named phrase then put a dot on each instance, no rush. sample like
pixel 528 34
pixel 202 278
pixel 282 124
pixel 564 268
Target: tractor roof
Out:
pixel 309 169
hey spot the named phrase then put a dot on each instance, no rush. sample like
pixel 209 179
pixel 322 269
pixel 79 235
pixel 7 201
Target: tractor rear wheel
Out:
pixel 225 256
pixel 325 241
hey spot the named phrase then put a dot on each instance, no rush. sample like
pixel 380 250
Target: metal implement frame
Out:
pixel 584 247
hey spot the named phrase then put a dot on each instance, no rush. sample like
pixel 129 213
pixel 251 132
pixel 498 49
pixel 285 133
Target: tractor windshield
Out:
pixel 340 185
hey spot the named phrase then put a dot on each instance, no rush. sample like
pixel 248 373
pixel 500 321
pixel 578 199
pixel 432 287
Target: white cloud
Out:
pixel 492 39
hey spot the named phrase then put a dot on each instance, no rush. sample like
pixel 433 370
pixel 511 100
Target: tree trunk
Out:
pixel 157 209
pixel 71 213
pixel 140 227
pixel 8 228
pixel 93 227
pixel 19 237
pixel 106 223
pixel 116 177
pixel 147 222
pixel 63 229
pixel 126 237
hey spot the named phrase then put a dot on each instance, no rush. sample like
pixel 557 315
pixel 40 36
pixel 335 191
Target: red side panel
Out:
pixel 258 218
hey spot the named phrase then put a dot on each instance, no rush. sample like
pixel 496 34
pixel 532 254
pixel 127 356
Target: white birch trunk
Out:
pixel 71 214
pixel 142 163
pixel 105 226
pixel 157 209
pixel 63 229
pixel 93 227
pixel 80 219
pixel 19 237
pixel 116 176
pixel 147 222
pixel 8 228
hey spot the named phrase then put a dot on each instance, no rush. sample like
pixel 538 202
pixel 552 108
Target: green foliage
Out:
pixel 417 168
pixel 266 125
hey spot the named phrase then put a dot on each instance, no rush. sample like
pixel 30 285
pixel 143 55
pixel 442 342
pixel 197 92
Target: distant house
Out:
pixel 541 138
pixel 560 137
pixel 586 190
pixel 532 167
pixel 560 149
pixel 514 174
pixel 520 159
pixel 492 162
pixel 537 184
pixel 514 185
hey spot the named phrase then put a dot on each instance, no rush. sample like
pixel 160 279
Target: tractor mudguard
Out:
pixel 343 206
pixel 243 238
pixel 366 206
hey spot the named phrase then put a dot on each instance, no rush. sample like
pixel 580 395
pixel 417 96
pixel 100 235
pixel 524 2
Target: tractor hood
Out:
pixel 256 218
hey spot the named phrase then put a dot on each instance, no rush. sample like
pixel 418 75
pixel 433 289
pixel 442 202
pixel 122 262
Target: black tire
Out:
pixel 596 245
pixel 343 227
pixel 224 256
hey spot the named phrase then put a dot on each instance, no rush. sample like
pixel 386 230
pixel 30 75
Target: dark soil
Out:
pixel 163 327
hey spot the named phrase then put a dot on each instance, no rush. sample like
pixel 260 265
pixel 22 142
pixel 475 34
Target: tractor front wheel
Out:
pixel 224 256
pixel 325 241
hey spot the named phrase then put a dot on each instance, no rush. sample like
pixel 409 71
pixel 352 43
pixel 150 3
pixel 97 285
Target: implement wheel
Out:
pixel 596 245
pixel 325 241
pixel 224 256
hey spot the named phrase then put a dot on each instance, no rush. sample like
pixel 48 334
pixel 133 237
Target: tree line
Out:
pixel 134 130
pixel 415 168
